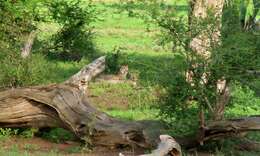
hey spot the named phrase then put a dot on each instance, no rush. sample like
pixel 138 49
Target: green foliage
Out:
pixel 74 39
pixel 57 135
pixel 76 149
pixel 237 53
pixel 243 102
pixel 247 12
pixel 28 133
pixel 17 72
pixel 16 20
pixel 5 133
pixel 8 132
pixel 115 60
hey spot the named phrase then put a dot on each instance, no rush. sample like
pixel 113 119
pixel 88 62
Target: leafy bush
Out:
pixel 16 72
pixel 17 21
pixel 243 102
pixel 28 132
pixel 58 135
pixel 115 60
pixel 237 53
pixel 74 39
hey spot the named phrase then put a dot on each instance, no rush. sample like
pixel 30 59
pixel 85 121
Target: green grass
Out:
pixel 16 152
pixel 134 114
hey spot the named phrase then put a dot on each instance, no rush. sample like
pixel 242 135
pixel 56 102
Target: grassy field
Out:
pixel 154 67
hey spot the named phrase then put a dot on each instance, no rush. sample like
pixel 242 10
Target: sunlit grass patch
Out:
pixel 135 114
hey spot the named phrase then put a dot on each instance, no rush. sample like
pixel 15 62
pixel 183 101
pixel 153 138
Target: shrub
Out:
pixel 17 72
pixel 237 53
pixel 243 101
pixel 74 39
pixel 115 60
pixel 58 135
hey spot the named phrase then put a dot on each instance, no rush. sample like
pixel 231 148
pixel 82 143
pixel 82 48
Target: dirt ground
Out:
pixel 38 145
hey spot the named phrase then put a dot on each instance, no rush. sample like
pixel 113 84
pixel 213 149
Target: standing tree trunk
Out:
pixel 202 45
pixel 200 10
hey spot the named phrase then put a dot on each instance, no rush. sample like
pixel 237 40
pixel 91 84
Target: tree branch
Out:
pixel 87 73
pixel 26 50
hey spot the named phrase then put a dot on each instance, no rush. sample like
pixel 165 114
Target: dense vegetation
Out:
pixel 71 33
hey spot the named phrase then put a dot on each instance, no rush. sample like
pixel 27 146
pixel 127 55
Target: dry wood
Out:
pixel 220 130
pixel 65 106
pixel 167 146
pixel 223 129
pixel 248 145
pixel 230 128
pixel 255 73
pixel 87 73
pixel 26 50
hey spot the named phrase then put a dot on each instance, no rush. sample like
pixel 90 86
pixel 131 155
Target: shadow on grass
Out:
pixel 159 69
pixel 141 6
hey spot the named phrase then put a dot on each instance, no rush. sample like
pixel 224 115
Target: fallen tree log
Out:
pixel 216 130
pixel 231 127
pixel 64 105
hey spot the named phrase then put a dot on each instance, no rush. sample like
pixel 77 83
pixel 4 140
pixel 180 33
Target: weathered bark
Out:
pixel 202 44
pixel 26 50
pixel 248 145
pixel 232 127
pixel 167 146
pixel 65 106
pixel 220 130
pixel 88 72
pixel 255 73
pixel 199 11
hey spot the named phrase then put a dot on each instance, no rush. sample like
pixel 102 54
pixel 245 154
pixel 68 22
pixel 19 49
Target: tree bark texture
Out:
pixel 26 50
pixel 88 72
pixel 65 106
pixel 203 42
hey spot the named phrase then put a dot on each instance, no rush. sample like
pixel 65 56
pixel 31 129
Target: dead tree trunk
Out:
pixel 65 106
pixel 87 73
pixel 26 50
